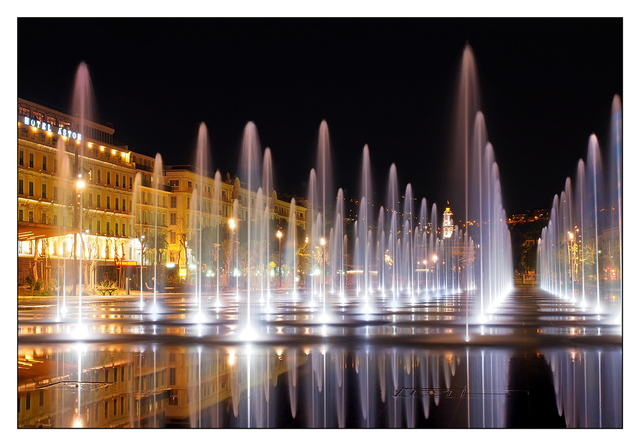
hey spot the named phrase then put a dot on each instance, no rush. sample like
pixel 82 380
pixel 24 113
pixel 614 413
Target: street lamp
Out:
pixel 279 235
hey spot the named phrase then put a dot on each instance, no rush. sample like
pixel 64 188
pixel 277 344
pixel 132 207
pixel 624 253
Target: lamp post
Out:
pixel 279 235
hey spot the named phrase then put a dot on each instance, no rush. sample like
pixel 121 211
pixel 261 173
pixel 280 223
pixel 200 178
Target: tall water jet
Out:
pixel 407 240
pixel 158 184
pixel 324 173
pixel 594 186
pixel 216 208
pixel 337 246
pixel 313 237
pixel 138 233
pixel 292 245
pixel 82 110
pixel 615 191
pixel 364 220
pixel 250 169
pixel 393 204
pixel 268 192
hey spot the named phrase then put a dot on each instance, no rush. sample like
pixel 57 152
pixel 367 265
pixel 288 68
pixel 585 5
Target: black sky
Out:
pixel 546 85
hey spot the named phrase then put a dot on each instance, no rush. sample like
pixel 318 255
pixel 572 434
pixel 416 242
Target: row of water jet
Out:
pixel 485 231
pixel 393 250
pixel 579 252
pixel 146 226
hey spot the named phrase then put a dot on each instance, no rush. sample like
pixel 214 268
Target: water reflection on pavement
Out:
pixel 535 363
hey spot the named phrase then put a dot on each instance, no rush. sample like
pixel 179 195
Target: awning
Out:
pixel 36 231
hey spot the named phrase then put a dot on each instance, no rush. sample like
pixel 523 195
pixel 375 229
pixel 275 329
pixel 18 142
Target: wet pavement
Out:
pixel 536 361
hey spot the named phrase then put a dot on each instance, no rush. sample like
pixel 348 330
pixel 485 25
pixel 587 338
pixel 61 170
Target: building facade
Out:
pixel 86 201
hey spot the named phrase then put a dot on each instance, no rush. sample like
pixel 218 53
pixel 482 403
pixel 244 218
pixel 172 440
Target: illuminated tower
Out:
pixel 447 224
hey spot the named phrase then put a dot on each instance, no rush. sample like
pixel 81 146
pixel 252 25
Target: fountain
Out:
pixel 348 347
pixel 580 250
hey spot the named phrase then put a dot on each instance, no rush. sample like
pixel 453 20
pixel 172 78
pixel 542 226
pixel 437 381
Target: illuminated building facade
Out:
pixel 211 208
pixel 107 207
pixel 447 223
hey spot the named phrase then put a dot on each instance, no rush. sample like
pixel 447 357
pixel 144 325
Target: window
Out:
pixel 20 215
pixel 98 177
pixel 117 180
pixel 116 233
pixel 21 158
pixel 31 216
pixel 90 199
pixel 124 235
pixel 44 191
pixel 123 205
pixel 20 187
pixel 106 410
pixel 98 200
pixel 172 237
pixel 28 400
pixel 174 184
pixel 116 202
pixel 108 178
pixel 30 189
pixel 41 399
pixel 188 202
pixel 172 376
pixel 43 217
pixel 31 160
pixel 44 163
pixel 55 194
pixel 130 182
pixel 173 218
pixel 174 202
pixel 55 165
pixel 107 234
pixel 98 226
pixel 108 202
pixel 189 184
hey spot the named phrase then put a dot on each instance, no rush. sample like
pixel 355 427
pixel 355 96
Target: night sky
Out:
pixel 546 85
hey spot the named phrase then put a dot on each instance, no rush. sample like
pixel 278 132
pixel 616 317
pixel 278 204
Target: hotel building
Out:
pixel 82 197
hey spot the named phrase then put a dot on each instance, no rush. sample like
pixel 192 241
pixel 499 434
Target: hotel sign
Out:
pixel 126 263
pixel 51 128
